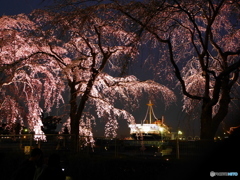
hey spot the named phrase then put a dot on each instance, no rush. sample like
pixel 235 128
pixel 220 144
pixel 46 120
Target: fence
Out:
pixel 22 143
pixel 116 147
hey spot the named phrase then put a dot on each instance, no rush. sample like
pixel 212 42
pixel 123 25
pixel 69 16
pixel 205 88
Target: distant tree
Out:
pixel 17 128
pixel 65 130
pixel 50 124
pixel 198 42
pixel 4 129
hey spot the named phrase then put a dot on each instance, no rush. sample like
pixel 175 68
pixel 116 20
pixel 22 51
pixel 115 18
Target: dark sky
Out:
pixel 173 115
pixel 13 7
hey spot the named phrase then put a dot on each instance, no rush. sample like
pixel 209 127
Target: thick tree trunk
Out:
pixel 75 116
pixel 77 110
pixel 74 135
pixel 74 121
pixel 223 107
pixel 206 123
pixel 210 122
pixel 208 131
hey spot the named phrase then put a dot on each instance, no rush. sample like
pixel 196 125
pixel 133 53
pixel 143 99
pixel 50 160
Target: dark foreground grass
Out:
pixel 197 163
pixel 95 166
pixel 117 168
pixel 80 166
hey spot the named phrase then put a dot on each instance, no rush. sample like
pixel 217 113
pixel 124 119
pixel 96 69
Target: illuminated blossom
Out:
pixel 44 55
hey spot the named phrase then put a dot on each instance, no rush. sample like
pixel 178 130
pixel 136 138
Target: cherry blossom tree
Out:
pixel 75 49
pixel 86 46
pixel 199 42
pixel 28 85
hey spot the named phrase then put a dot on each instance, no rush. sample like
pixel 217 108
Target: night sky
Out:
pixel 173 115
pixel 13 7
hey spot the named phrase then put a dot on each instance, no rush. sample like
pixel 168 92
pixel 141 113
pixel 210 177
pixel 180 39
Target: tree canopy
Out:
pixel 198 42
pixel 73 48
pixel 72 53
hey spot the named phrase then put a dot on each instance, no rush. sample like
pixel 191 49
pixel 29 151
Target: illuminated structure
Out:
pixel 150 128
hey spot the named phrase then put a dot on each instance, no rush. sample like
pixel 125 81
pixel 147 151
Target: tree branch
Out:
pixel 234 79
pixel 167 41
pixel 228 53
pixel 219 80
pixel 178 74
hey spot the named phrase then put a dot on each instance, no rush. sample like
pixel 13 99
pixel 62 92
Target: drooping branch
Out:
pixel 178 74
pixel 168 42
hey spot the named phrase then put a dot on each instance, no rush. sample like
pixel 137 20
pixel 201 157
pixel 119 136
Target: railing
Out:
pixel 25 142
pixel 62 143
